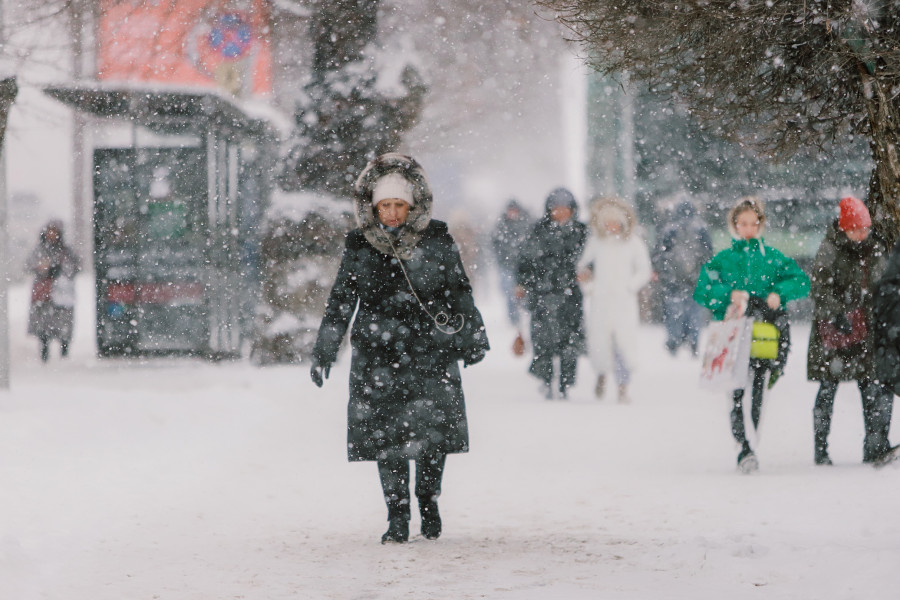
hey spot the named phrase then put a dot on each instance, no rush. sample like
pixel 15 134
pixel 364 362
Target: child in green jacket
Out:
pixel 756 280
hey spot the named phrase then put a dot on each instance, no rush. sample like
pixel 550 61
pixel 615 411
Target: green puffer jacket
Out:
pixel 751 266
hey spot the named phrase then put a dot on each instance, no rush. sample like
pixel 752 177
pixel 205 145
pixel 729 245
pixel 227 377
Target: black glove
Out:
pixel 319 372
pixel 473 357
pixel 842 324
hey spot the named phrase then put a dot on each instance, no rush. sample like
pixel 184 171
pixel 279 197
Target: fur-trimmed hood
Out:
pixel 733 213
pixel 604 207
pixel 419 214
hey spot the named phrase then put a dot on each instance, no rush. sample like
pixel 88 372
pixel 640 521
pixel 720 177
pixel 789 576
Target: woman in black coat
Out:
pixel 415 318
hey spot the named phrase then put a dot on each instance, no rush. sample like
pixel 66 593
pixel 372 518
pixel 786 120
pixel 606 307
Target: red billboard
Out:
pixel 221 44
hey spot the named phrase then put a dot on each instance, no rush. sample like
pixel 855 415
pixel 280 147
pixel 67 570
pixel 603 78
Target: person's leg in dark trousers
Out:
pixel 45 348
pixel 737 424
pixel 394 474
pixel 568 365
pixel 737 412
pixel 737 418
pixel 672 318
pixel 759 386
pixel 693 324
pixel 429 474
pixel 878 402
pixel 542 338
pixel 756 398
pixel 822 411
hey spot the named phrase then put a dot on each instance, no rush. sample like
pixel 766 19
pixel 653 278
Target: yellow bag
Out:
pixel 765 341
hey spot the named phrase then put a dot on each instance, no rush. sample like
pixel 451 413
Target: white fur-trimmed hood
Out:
pixel 419 214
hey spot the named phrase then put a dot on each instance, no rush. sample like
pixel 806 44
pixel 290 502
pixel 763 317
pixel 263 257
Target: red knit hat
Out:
pixel 854 214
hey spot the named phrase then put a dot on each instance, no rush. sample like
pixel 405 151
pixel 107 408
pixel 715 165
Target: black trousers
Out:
pixel 394 476
pixel 877 403
pixel 759 369
pixel 542 367
pixel 556 332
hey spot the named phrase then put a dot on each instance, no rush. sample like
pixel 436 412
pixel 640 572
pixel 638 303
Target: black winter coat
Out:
pixel 406 398
pixel 547 271
pixel 886 324
pixel 841 281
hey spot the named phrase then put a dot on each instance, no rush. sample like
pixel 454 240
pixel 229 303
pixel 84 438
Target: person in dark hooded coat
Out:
pixel 402 277
pixel 547 277
pixel 54 266
pixel 846 266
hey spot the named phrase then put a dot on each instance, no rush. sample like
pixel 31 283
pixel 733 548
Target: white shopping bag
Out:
pixel 63 292
pixel 726 355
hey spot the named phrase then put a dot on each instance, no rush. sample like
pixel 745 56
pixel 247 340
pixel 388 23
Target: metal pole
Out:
pixel 8 91
pixel 4 279
pixel 80 213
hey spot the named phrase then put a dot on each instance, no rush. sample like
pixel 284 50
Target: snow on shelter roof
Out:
pixel 167 109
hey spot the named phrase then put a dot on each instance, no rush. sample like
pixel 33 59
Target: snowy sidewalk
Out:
pixel 182 480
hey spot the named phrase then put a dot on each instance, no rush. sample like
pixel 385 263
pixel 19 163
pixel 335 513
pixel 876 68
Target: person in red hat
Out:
pixel 849 261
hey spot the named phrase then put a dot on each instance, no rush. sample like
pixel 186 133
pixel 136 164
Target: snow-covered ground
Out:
pixel 183 480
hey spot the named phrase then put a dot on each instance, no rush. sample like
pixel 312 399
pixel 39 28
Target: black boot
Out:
pixel 64 348
pixel 821 453
pixel 431 519
pixel 45 350
pixel 398 526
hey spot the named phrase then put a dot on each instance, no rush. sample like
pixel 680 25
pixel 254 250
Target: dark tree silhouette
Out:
pixel 342 120
pixel 777 75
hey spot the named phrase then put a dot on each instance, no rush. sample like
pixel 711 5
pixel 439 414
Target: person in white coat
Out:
pixel 614 267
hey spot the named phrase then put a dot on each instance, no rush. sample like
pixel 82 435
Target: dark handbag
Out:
pixel 833 339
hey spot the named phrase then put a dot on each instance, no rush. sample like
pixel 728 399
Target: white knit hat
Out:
pixel 392 185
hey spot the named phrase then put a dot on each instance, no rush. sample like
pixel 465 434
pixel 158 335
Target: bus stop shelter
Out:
pixel 175 219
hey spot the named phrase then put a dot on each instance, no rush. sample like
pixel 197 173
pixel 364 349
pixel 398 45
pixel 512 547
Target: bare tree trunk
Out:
pixel 884 185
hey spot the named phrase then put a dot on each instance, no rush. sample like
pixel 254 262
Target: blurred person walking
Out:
pixel 509 235
pixel 402 284
pixel 849 261
pixel 683 246
pixel 54 266
pixel 613 269
pixel 546 277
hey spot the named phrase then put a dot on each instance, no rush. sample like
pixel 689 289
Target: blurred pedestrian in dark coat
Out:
pixel 54 266
pixel 683 246
pixel 847 264
pixel 546 276
pixel 507 240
